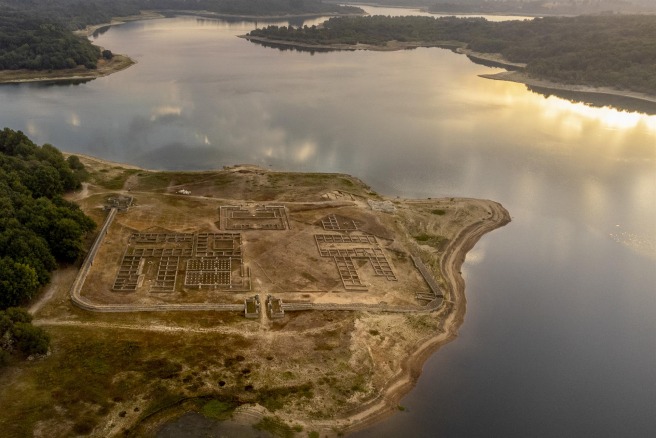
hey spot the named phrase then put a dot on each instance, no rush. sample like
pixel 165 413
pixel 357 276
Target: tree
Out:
pixel 18 282
pixel 25 246
pixel 17 314
pixel 17 334
pixel 30 339
pixel 66 235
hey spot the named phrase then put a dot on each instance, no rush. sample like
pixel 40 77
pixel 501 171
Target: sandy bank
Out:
pixel 523 78
pixel 389 47
pixel 116 64
pixel 495 59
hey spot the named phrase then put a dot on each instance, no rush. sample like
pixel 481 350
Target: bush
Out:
pixel 17 314
pixel 217 409
pixel 30 339
pixel 4 358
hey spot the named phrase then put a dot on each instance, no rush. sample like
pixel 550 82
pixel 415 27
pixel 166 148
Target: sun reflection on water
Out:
pixel 608 117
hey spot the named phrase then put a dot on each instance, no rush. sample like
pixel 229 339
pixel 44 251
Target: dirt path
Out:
pixel 257 332
pixel 55 282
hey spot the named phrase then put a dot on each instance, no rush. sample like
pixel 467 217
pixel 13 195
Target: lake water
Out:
pixel 559 338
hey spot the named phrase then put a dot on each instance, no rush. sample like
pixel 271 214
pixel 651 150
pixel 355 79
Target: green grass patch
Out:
pixel 434 240
pixel 162 398
pixel 218 409
pixel 275 398
pixel 115 182
pixel 275 426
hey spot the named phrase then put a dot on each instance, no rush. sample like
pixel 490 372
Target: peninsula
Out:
pixel 588 54
pixel 299 303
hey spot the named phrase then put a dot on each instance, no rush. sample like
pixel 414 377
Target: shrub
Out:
pixel 30 339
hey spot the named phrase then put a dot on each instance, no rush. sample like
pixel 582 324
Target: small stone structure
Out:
pixel 274 307
pixel 252 307
pixel 121 203
pixel 262 217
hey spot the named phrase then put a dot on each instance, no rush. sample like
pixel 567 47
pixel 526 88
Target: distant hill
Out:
pixel 528 7
pixel 543 7
pixel 76 14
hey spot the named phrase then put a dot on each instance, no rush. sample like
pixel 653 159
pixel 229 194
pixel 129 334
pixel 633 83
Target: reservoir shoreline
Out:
pixel 105 68
pixel 495 60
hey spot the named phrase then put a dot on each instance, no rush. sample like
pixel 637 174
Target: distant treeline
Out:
pixel 528 7
pixel 38 44
pixel 616 51
pixel 546 7
pixel 38 228
pixel 76 14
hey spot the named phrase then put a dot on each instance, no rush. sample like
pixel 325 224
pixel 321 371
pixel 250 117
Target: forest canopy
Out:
pixel 38 228
pixel 616 51
pixel 39 44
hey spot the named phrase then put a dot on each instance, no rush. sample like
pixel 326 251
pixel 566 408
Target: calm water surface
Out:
pixel 559 338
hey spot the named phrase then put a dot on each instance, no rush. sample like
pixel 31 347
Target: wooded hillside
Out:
pixel 38 228
pixel 616 51
pixel 38 44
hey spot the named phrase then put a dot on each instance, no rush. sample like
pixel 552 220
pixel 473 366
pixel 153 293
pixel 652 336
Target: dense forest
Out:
pixel 38 228
pixel 615 51
pixel 76 14
pixel 38 44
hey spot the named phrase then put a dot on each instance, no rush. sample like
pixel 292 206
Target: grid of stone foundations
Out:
pixel 207 260
pixel 346 248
